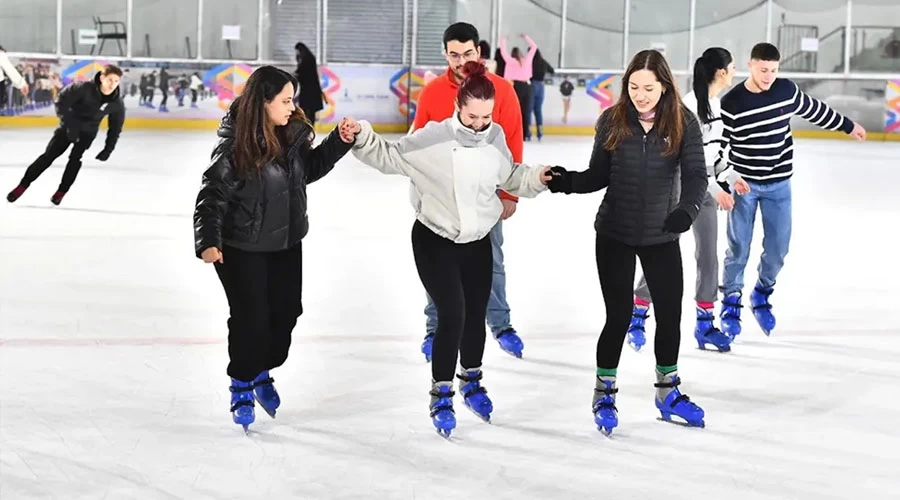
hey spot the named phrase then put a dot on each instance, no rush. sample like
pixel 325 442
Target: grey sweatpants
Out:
pixel 705 235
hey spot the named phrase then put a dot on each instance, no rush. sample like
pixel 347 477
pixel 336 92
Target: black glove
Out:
pixel 561 181
pixel 104 155
pixel 677 222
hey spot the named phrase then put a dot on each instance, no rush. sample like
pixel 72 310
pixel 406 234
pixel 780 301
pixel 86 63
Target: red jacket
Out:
pixel 436 104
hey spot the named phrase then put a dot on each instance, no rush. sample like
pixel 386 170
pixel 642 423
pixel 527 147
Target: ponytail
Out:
pixel 702 79
pixel 705 68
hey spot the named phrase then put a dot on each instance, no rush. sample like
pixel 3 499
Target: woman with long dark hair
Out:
pixel 455 167
pixel 309 99
pixel 713 73
pixel 639 145
pixel 250 219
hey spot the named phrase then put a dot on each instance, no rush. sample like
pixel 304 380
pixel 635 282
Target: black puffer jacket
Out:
pixel 266 212
pixel 81 107
pixel 643 185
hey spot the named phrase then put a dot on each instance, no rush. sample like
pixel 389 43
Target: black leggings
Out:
pixel 663 272
pixel 263 290
pixel 458 278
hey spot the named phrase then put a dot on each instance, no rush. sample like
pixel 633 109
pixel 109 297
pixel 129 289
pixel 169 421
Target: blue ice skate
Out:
pixel 265 393
pixel 762 310
pixel 242 407
pixel 442 415
pixel 606 416
pixel 636 332
pixel 474 395
pixel 676 403
pixel 731 314
pixel 706 332
pixel 426 346
pixel 510 342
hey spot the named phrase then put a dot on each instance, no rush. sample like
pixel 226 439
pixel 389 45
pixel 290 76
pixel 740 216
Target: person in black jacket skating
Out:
pixel 250 219
pixel 81 107
pixel 309 99
pixel 641 144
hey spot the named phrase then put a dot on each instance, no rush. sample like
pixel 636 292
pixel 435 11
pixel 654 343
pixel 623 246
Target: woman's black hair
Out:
pixel 705 67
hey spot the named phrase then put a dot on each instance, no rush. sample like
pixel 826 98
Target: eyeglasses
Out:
pixel 470 55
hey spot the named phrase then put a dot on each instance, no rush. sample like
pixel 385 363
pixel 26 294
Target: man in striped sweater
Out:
pixel 756 116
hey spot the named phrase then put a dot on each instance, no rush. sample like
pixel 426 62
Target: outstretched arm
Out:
pixel 820 114
pixel 380 154
pixel 320 160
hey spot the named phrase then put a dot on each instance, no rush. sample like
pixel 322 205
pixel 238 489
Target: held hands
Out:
pixel 348 128
pixel 212 254
pixel 560 180
pixel 725 200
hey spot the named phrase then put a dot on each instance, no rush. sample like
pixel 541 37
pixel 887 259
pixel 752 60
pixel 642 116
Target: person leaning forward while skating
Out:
pixel 436 104
pixel 81 106
pixel 455 167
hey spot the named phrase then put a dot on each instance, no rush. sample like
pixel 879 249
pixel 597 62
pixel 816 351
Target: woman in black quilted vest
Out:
pixel 648 154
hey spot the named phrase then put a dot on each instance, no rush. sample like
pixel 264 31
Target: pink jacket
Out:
pixel 514 70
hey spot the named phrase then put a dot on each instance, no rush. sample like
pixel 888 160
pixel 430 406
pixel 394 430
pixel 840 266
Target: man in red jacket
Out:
pixel 436 103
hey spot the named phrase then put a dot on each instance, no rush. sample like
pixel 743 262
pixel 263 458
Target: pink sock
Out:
pixel 641 302
pixel 705 305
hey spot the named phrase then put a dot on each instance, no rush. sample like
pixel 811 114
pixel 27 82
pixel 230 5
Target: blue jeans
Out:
pixel 497 309
pixel 774 201
pixel 537 105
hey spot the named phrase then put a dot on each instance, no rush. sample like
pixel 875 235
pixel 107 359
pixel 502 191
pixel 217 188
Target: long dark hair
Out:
pixel 669 121
pixel 705 67
pixel 256 140
pixel 306 58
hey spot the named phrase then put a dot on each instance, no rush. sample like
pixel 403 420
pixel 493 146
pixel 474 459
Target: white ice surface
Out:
pixel 113 353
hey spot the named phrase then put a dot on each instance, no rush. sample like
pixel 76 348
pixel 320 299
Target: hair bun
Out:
pixel 474 69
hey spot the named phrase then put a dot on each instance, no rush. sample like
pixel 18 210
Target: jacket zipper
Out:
pixel 643 191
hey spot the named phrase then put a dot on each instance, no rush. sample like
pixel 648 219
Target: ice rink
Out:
pixel 113 353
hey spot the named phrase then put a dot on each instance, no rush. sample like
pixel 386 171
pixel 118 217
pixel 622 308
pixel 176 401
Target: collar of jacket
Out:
pixel 468 137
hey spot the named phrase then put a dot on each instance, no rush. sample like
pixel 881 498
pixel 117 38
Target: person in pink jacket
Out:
pixel 518 71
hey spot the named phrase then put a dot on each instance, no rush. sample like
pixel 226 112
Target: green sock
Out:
pixel 666 369
pixel 606 372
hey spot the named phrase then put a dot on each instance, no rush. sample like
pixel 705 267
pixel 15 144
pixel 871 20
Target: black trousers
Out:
pixel 458 279
pixel 664 275
pixel 57 146
pixel 263 291
pixel 525 94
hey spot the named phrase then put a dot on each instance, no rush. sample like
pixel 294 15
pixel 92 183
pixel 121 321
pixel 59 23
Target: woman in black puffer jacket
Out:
pixel 249 220
pixel 641 144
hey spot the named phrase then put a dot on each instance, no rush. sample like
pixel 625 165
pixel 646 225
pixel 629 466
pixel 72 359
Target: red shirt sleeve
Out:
pixel 422 108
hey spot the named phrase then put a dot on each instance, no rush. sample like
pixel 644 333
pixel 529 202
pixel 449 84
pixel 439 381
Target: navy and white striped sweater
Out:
pixel 758 128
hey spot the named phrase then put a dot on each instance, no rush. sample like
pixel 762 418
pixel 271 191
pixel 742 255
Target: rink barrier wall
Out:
pixel 381 128
pixel 385 95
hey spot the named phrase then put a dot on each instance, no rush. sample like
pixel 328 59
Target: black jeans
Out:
pixel 57 146
pixel 458 279
pixel 263 291
pixel 663 272
pixel 525 94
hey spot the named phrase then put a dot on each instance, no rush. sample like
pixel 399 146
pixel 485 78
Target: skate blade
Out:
pixel 269 413
pixel 682 423
pixel 606 431
pixel 444 433
pixel 714 348
pixel 635 347
pixel 480 417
